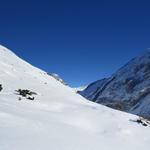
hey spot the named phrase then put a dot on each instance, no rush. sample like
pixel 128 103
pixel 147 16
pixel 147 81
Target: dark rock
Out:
pixel 1 88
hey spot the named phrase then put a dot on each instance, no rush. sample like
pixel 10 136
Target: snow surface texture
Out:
pixel 128 89
pixel 58 118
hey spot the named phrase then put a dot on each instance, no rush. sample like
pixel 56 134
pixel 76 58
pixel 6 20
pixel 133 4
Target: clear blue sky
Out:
pixel 81 40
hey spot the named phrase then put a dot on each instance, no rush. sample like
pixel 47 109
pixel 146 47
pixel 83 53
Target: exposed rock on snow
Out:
pixel 58 78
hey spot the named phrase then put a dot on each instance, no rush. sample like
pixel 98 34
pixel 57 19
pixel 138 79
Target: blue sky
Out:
pixel 82 41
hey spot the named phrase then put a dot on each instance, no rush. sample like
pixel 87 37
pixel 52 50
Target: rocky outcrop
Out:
pixel 57 77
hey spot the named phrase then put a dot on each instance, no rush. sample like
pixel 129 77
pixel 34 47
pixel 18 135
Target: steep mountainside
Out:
pixel 128 89
pixel 58 78
pixel 57 118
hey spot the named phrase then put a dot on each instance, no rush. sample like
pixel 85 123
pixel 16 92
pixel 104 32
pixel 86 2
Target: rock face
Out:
pixel 128 89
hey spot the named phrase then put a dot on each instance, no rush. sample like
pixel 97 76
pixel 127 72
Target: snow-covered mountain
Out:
pixel 58 118
pixel 128 89
pixel 80 88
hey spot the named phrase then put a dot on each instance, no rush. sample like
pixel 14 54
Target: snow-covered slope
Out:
pixel 128 89
pixel 58 78
pixel 81 88
pixel 58 118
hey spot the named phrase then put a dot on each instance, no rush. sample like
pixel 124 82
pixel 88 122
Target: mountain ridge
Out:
pixel 126 88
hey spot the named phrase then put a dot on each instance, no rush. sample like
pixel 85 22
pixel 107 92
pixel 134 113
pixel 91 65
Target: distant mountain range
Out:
pixel 128 89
